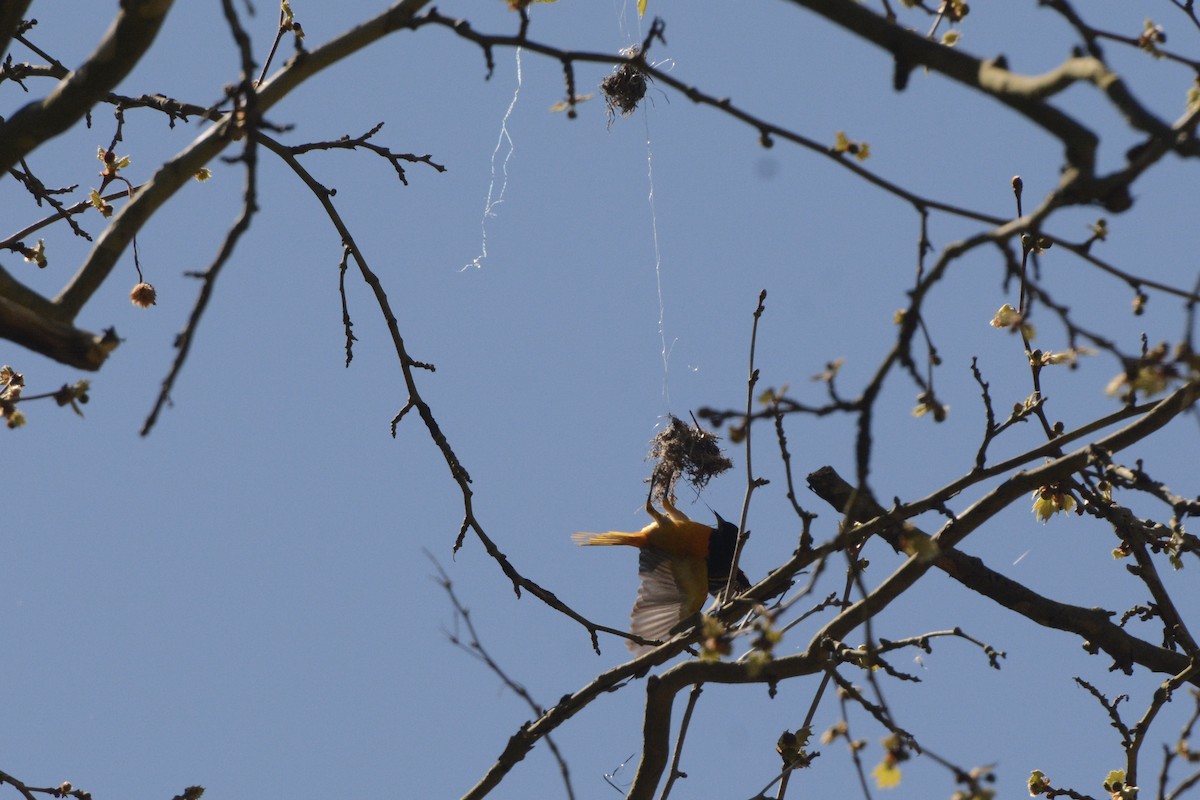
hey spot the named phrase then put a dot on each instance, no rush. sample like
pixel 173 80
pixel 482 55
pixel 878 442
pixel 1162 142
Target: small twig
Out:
pixel 249 157
pixel 1162 696
pixel 878 712
pixel 346 323
pixel 393 158
pixel 693 696
pixel 922 642
pixel 279 34
pixel 806 517
pixel 474 647
pixel 16 784
pixel 855 752
pixel 831 601
pixel 989 426
pixel 751 482
pixel 42 194
pixel 66 212
pixel 1111 709
pixel 1182 747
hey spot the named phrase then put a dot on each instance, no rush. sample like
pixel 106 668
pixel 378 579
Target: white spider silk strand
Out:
pixel 494 200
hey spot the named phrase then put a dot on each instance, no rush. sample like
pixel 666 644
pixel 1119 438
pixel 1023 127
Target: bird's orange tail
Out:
pixel 612 537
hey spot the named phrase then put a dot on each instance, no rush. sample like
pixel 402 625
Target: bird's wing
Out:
pixel 672 589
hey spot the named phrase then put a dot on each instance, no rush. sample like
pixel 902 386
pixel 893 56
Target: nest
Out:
pixel 624 89
pixel 684 450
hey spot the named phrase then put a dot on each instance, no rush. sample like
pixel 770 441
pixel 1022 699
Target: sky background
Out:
pixel 244 598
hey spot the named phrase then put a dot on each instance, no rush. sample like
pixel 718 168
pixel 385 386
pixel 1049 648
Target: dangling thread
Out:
pixel 664 349
pixel 490 205
pixel 662 307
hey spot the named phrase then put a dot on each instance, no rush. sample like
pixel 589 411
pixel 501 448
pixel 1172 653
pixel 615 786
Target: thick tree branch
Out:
pixel 1022 93
pixel 1026 94
pixel 58 340
pixel 12 289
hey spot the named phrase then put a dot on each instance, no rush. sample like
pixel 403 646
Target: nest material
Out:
pixel 623 90
pixel 684 450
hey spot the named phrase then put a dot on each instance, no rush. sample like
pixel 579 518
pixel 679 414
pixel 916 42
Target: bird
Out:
pixel 681 561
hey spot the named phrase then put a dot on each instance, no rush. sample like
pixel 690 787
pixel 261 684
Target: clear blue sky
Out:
pixel 242 599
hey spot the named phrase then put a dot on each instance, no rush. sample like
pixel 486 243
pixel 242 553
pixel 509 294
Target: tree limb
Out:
pixel 58 340
pixel 1021 93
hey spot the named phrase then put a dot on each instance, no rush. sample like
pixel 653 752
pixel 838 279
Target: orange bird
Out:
pixel 680 563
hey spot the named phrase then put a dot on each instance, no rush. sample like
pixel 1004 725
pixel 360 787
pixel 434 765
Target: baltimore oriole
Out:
pixel 681 561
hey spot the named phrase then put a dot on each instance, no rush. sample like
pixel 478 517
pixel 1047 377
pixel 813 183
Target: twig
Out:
pixel 347 325
pixel 683 729
pixel 208 278
pixel 393 158
pixel 474 647
pixel 16 784
pixel 1162 695
pixel 751 481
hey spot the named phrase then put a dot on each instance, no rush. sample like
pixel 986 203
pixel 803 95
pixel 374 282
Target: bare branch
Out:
pixel 246 117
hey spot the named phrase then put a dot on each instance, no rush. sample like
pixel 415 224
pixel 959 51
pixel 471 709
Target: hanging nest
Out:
pixel 624 88
pixel 688 450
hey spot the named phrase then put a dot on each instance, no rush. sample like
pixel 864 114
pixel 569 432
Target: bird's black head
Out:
pixel 720 555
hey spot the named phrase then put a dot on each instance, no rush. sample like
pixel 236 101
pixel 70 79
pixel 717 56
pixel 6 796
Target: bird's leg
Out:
pixel 657 515
pixel 673 512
